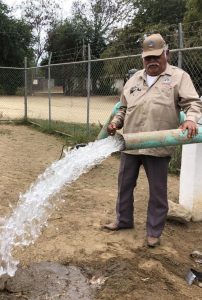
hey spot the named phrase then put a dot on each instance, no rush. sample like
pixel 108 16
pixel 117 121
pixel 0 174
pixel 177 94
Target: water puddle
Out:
pixel 48 281
pixel 36 205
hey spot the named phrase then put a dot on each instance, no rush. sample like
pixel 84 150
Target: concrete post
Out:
pixel 190 195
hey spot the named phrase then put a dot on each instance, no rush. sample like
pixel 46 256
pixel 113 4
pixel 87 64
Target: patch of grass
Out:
pixel 73 133
pixel 175 163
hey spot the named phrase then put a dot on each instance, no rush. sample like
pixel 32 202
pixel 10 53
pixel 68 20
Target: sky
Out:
pixel 65 4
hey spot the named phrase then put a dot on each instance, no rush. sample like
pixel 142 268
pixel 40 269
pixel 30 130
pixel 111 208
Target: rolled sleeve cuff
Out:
pixel 117 122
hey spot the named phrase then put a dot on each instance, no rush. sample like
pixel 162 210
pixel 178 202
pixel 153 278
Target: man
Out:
pixel 151 100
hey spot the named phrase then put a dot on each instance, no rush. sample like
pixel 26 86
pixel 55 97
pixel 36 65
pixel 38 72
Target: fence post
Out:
pixel 49 89
pixel 25 91
pixel 181 46
pixel 88 88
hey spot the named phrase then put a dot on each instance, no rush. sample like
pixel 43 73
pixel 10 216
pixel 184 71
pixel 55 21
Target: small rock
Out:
pixel 197 256
pixel 98 280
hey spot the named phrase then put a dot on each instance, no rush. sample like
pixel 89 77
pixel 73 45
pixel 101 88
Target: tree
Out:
pixel 65 42
pixel 194 11
pixel 192 33
pixel 158 11
pixel 41 15
pixel 90 23
pixel 193 23
pixel 150 16
pixel 16 38
pixel 66 45
pixel 97 19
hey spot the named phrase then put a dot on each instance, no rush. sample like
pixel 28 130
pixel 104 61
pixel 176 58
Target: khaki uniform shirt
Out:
pixel 157 107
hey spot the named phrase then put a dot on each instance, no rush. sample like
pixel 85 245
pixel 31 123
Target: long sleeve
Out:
pixel 189 101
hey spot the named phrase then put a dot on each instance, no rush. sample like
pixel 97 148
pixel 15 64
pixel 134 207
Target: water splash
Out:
pixel 35 206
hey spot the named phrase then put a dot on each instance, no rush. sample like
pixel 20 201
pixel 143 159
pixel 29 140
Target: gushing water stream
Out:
pixel 35 206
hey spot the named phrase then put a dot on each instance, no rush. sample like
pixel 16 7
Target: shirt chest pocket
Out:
pixel 133 97
pixel 163 95
pixel 161 107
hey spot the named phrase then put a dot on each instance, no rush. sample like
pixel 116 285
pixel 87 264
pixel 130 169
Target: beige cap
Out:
pixel 153 45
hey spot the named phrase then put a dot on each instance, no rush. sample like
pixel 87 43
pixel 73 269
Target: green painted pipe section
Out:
pixel 155 139
pixel 103 132
pixel 182 117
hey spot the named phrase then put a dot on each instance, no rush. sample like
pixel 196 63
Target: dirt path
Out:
pixel 74 237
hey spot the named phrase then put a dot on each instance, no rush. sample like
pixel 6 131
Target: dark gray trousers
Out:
pixel 156 169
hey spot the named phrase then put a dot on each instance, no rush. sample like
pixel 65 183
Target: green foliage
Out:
pixel 105 86
pixel 175 163
pixel 62 37
pixel 74 133
pixel 193 26
pixel 157 11
pixel 16 38
pixel 192 64
pixel 194 11
pixel 2 92
pixel 20 91
pixel 11 80
pixel 91 22
pixel 150 16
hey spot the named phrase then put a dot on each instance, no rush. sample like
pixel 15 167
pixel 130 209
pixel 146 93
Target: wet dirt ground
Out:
pixel 74 258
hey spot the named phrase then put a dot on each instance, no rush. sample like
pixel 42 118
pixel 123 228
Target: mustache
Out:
pixel 153 65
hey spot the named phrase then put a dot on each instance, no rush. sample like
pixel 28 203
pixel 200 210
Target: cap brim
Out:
pixel 152 53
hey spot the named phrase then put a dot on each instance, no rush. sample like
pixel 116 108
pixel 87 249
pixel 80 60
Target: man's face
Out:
pixel 155 65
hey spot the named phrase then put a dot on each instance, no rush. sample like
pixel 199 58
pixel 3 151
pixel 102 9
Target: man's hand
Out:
pixel 191 127
pixel 111 129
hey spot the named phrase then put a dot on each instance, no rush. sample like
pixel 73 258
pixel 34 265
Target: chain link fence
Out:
pixel 12 90
pixel 79 92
